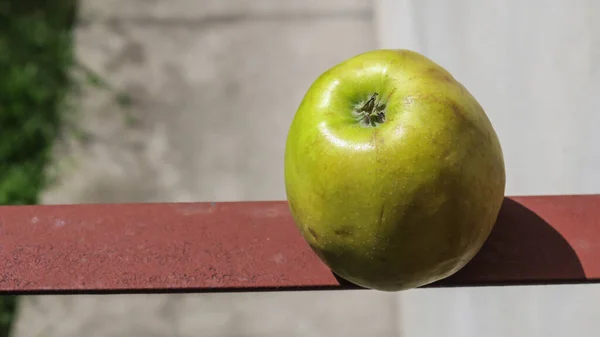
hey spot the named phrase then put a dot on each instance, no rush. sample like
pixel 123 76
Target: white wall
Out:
pixel 535 67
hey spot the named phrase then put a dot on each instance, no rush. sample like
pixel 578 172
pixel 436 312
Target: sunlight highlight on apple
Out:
pixel 342 143
pixel 326 100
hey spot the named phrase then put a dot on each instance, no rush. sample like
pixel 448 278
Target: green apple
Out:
pixel 394 174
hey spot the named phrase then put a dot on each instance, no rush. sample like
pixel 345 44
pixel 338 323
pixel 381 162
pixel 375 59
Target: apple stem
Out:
pixel 372 112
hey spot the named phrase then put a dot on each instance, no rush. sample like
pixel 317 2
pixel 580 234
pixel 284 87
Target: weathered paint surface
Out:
pixel 252 246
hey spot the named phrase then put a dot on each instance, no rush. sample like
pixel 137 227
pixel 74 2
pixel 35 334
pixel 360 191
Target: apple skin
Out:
pixel 404 202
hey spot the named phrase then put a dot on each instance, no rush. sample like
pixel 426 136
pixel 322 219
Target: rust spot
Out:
pixel 456 110
pixel 377 141
pixel 464 121
pixel 440 74
pixel 390 95
pixel 374 138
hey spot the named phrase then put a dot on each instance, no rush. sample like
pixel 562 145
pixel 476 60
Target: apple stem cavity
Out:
pixel 372 112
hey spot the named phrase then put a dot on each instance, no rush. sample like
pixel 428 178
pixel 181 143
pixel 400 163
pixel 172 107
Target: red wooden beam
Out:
pixel 252 246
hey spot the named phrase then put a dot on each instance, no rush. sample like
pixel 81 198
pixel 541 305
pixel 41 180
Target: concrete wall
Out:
pixel 214 85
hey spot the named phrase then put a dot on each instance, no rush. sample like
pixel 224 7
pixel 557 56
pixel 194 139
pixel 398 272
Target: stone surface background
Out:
pixel 214 86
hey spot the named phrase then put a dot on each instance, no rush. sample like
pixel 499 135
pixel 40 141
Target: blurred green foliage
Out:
pixel 36 55
pixel 7 310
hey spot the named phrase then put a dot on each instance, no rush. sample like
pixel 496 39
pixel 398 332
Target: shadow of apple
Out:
pixel 521 249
